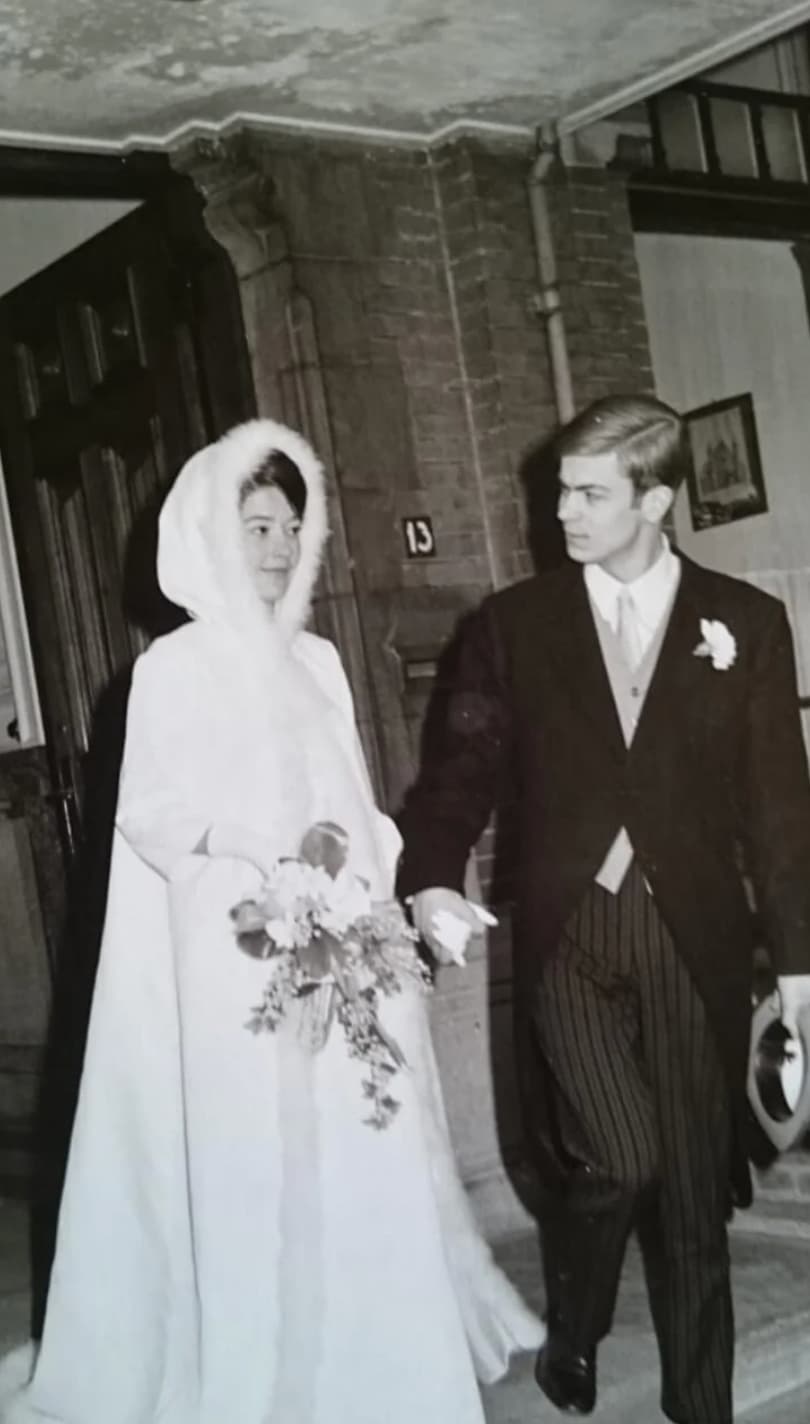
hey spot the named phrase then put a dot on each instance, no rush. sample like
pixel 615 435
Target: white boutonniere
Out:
pixel 718 643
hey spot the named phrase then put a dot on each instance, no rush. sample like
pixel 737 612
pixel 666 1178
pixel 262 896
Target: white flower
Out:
pixel 294 885
pixel 348 900
pixel 718 644
pixel 286 933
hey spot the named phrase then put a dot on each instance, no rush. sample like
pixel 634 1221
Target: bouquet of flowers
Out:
pixel 334 953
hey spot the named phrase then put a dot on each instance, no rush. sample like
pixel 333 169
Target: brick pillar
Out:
pixel 600 286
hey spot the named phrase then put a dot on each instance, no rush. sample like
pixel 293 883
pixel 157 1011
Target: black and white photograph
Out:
pixel 404 711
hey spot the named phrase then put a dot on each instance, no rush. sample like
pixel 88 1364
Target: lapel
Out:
pixel 579 663
pixel 673 684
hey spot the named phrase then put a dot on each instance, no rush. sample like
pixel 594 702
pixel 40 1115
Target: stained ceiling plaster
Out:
pixel 117 73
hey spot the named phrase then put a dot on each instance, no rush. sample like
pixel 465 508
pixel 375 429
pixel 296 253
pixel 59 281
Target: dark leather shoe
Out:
pixel 567 1378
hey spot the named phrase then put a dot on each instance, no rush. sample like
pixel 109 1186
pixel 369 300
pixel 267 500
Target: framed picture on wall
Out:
pixel 725 476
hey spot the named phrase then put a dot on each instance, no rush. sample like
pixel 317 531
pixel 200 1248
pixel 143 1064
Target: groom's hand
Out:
pixel 429 909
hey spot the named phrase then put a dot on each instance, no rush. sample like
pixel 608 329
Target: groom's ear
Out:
pixel 656 503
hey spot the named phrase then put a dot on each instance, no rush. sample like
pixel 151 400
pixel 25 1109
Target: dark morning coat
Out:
pixel 717 761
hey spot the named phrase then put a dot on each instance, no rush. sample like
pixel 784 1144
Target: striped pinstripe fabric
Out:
pixel 641 1111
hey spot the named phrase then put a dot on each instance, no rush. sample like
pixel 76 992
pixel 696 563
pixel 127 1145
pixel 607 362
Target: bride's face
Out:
pixel 270 532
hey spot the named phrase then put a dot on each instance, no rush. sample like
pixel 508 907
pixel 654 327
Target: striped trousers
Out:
pixel 640 1116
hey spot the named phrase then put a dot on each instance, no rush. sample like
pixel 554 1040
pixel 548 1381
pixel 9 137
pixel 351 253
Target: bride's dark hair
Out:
pixel 279 471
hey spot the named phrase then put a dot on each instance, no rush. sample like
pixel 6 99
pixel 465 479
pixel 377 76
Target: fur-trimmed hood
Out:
pixel 201 562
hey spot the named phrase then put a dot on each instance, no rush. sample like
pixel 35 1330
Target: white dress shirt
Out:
pixel 652 593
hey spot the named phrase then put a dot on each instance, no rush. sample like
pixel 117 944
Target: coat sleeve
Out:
pixel 466 750
pixel 155 814
pixel 778 797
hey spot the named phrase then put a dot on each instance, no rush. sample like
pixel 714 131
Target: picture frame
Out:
pixel 724 478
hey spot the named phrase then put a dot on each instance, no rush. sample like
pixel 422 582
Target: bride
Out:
pixel 235 1243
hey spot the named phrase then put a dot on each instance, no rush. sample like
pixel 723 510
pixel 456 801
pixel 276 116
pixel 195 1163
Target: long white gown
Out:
pixel 235 1245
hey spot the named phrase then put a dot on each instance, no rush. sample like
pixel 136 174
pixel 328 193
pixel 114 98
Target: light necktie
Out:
pixel 627 629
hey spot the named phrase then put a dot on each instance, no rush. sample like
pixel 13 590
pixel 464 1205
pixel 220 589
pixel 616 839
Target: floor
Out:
pixel 773 1328
pixel 772 1307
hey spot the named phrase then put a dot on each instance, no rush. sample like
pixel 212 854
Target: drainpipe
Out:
pixel 548 297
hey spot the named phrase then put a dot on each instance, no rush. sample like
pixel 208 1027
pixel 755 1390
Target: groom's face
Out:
pixel 601 514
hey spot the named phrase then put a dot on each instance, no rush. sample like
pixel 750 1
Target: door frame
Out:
pixel 150 177
pixel 207 293
pixel 64 173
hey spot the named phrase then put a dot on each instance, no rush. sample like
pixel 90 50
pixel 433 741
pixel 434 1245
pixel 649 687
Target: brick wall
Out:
pixel 600 286
pixel 491 267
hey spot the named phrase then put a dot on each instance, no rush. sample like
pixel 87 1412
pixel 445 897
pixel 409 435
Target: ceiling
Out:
pixel 112 73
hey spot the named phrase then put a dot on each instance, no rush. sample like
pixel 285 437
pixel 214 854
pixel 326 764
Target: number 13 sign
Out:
pixel 419 540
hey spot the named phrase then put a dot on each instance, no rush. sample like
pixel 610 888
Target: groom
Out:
pixel 646 712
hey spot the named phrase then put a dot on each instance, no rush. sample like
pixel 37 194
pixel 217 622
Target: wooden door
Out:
pixel 116 363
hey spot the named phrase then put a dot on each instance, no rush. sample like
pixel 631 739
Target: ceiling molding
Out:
pixel 689 68
pixel 271 123
pixel 566 123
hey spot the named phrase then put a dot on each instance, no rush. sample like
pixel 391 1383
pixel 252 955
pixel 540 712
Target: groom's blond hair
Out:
pixel 648 437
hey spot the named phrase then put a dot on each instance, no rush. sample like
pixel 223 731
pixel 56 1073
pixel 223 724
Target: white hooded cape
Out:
pixel 235 1245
